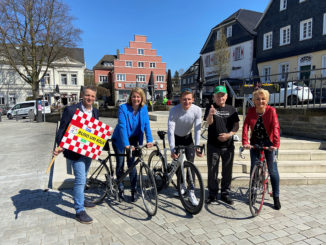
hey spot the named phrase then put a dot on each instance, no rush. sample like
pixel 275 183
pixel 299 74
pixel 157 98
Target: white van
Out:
pixel 21 109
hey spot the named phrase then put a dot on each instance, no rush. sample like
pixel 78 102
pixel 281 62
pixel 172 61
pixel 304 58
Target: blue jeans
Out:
pixel 80 167
pixel 272 168
pixel 120 166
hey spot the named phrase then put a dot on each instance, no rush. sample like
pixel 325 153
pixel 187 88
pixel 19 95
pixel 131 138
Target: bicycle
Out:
pixel 258 183
pixel 101 181
pixel 186 184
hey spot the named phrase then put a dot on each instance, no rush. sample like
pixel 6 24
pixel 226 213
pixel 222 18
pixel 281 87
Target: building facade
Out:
pixel 133 68
pixel 291 39
pixel 62 81
pixel 240 35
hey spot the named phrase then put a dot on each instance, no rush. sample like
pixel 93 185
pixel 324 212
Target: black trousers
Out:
pixel 213 158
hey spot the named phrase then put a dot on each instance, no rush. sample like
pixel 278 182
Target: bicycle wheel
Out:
pixel 191 188
pixel 155 162
pixel 148 189
pixel 256 190
pixel 204 131
pixel 96 183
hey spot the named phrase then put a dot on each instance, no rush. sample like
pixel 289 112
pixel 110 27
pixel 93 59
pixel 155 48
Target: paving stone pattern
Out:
pixel 30 215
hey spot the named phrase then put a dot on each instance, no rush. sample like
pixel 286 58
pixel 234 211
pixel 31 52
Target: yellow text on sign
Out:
pixel 90 137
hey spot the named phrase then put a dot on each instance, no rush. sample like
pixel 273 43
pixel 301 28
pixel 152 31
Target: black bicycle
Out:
pixel 101 181
pixel 190 184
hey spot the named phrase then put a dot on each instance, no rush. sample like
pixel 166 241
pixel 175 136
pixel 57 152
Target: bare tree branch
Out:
pixel 33 34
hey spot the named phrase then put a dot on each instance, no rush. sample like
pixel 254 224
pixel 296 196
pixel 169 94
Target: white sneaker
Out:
pixel 183 189
pixel 192 198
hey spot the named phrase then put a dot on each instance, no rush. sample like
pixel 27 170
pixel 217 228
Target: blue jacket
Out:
pixel 122 131
pixel 67 115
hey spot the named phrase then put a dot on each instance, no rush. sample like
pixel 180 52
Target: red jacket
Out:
pixel 270 122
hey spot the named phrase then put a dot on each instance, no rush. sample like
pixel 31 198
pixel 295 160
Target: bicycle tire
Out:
pixel 256 190
pixel 156 163
pixel 199 192
pixel 97 183
pixel 204 133
pixel 148 189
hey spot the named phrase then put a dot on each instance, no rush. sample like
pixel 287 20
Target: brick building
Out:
pixel 133 68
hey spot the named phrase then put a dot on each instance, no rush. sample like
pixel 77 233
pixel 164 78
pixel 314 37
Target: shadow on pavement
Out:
pixel 50 200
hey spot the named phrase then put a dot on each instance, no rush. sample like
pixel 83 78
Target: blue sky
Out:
pixel 177 29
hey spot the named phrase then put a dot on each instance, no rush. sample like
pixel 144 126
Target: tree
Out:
pixel 33 34
pixel 176 79
pixel 222 56
pixel 169 85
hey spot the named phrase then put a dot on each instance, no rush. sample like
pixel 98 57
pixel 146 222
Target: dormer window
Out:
pixel 283 5
pixel 106 63
pixel 229 31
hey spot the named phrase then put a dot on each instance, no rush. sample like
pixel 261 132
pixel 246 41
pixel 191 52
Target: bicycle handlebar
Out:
pixel 258 147
pixel 182 147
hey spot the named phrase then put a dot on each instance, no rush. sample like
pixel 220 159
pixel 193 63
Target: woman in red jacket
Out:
pixel 265 130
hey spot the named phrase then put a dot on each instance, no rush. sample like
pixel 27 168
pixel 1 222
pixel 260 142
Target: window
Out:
pixel 103 79
pixel 323 65
pixel 268 40
pixel 218 35
pixel 12 99
pixel 2 99
pixel 238 53
pixel 128 63
pixel 64 79
pixel 141 64
pixel 324 26
pixel 152 65
pixel 283 5
pixel 283 69
pixel 285 34
pixel 306 29
pixel 160 78
pixel 229 31
pixel 121 77
pixel 140 51
pixel 106 63
pixel 266 73
pixel 140 78
pixel 47 79
pixel 74 79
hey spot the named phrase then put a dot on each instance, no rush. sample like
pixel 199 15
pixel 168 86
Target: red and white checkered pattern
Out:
pixel 74 143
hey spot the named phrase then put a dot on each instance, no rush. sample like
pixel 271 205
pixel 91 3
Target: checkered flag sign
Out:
pixel 85 135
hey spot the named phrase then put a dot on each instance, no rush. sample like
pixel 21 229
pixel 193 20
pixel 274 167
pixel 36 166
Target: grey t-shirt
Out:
pixel 181 121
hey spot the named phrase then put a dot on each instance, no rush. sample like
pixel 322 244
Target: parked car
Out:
pixel 121 101
pixel 296 93
pixel 3 111
pixel 21 109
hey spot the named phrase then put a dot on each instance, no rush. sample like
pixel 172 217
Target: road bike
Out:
pixel 101 181
pixel 259 179
pixel 204 130
pixel 190 184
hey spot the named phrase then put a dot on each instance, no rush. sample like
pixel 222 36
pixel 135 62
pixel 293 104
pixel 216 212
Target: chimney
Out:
pixel 118 54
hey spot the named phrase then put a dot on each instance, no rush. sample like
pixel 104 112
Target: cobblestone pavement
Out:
pixel 30 215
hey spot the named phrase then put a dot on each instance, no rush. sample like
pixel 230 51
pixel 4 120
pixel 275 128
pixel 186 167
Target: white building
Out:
pixel 65 73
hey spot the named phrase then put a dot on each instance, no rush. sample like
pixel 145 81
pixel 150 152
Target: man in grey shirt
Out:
pixel 182 118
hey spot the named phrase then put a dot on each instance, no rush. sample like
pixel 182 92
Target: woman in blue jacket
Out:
pixel 133 122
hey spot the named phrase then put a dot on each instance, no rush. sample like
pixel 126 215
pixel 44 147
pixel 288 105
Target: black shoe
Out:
pixel 88 204
pixel 121 196
pixel 227 199
pixel 134 196
pixel 83 217
pixel 210 199
pixel 277 204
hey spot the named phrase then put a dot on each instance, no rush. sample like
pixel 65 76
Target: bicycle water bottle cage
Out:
pixel 161 134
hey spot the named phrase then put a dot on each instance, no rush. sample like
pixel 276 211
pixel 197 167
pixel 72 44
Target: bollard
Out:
pixel 0 116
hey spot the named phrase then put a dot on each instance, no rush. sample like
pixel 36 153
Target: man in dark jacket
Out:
pixel 79 163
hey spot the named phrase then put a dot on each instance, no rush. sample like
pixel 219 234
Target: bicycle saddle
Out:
pixel 161 134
